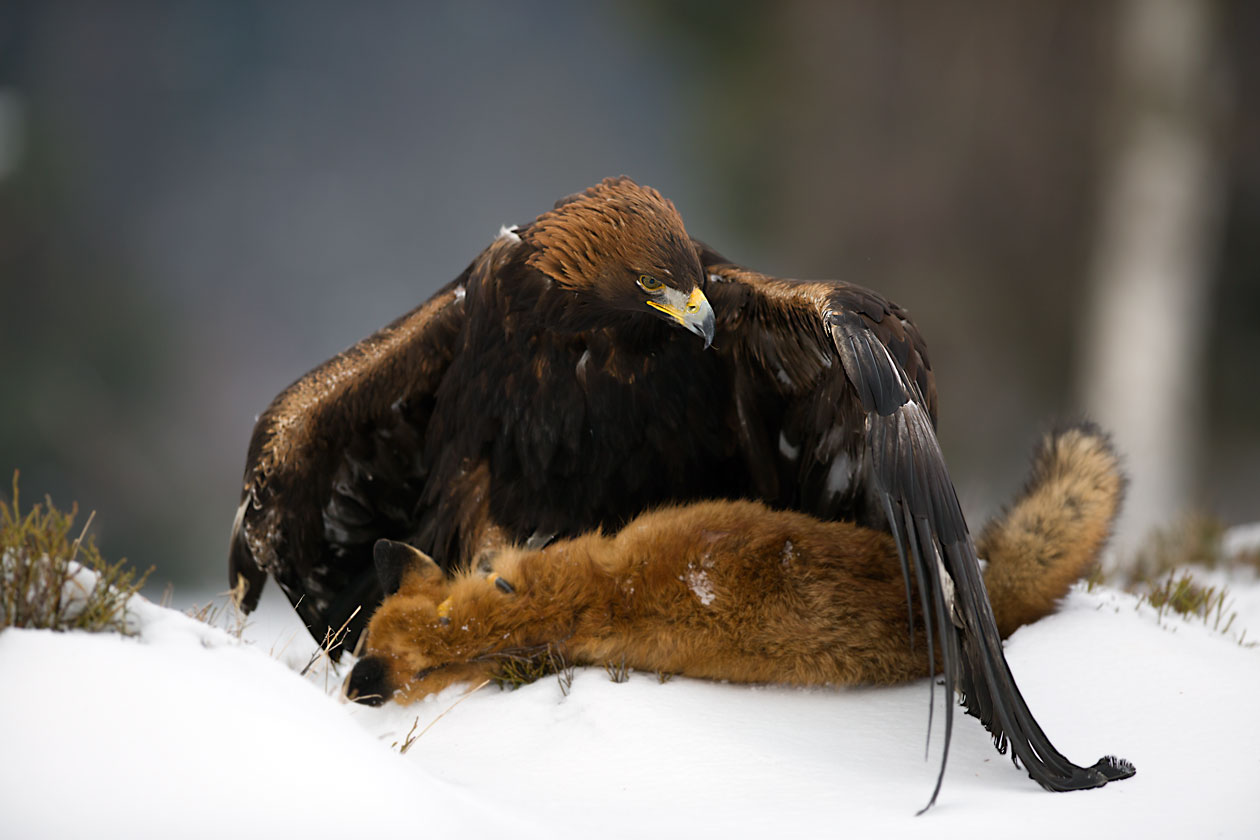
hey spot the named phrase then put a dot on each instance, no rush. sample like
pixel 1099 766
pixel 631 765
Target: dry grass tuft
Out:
pixel 1180 593
pixel 1194 540
pixel 515 668
pixel 413 736
pixel 405 744
pixel 49 580
pixel 332 641
pixel 224 612
pixel 1161 573
pixel 618 672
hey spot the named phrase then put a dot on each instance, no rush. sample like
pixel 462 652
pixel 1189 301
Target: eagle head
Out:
pixel 622 247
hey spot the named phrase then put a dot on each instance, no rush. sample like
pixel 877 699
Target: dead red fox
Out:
pixel 728 590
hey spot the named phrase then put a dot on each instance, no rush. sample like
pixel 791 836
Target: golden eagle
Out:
pixel 598 362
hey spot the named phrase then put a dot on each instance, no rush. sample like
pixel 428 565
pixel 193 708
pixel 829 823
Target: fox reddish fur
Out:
pixel 734 591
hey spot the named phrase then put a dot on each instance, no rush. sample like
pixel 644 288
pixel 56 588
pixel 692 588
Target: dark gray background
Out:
pixel 199 201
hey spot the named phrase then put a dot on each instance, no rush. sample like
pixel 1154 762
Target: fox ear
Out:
pixel 395 559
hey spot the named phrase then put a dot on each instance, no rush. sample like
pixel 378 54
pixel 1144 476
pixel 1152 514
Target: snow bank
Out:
pixel 184 731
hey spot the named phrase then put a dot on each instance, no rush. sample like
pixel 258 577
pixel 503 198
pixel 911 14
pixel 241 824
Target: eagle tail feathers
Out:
pixel 925 517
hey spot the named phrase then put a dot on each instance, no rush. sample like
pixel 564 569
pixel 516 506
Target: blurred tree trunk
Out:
pixel 1160 206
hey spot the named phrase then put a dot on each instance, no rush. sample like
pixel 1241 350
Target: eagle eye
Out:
pixel 648 283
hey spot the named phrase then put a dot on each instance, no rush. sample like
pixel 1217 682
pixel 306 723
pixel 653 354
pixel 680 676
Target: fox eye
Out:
pixel 648 283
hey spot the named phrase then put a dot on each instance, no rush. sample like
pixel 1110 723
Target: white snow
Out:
pixel 1241 539
pixel 185 732
pixel 700 585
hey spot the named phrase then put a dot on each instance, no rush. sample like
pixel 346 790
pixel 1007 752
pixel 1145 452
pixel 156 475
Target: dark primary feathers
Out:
pixel 564 382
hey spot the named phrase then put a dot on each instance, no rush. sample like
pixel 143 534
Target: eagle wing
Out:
pixel 336 462
pixel 843 377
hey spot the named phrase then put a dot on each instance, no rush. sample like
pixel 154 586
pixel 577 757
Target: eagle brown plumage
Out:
pixel 565 382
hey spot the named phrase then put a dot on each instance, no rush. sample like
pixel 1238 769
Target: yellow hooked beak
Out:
pixel 691 312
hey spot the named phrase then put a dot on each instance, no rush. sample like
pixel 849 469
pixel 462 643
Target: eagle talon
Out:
pixel 501 583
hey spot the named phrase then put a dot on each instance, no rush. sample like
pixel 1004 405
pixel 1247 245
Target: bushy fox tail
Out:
pixel 1054 532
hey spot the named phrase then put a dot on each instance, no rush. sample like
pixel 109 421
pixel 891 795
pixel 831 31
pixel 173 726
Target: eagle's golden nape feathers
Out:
pixel 551 391
pixel 613 232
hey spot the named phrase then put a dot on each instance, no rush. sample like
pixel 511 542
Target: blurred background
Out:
pixel 199 201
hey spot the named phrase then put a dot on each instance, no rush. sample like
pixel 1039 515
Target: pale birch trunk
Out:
pixel 1153 259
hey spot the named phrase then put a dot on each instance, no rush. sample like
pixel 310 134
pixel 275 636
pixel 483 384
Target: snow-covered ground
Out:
pixel 183 731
